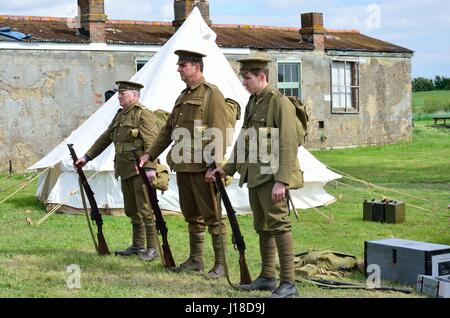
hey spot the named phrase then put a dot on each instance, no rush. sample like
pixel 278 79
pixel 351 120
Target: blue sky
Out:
pixel 420 25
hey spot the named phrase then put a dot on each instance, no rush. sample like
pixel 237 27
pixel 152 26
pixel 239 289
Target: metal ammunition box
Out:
pixel 384 211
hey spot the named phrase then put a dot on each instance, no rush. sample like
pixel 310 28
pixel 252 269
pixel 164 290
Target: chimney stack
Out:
pixel 183 8
pixel 312 30
pixel 93 19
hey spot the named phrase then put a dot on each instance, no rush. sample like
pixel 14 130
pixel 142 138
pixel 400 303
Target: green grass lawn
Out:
pixel 420 98
pixel 34 260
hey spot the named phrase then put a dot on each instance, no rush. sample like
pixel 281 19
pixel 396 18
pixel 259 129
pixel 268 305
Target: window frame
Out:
pixel 300 75
pixel 355 98
pixel 140 60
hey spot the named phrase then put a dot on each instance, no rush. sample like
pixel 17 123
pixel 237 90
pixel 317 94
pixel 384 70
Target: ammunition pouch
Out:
pixel 161 182
pixel 134 133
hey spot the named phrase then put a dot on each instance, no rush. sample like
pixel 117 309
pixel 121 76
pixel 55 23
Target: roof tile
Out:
pixel 61 30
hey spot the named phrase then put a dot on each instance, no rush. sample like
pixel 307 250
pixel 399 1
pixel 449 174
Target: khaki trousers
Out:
pixel 196 203
pixel 135 203
pixel 268 216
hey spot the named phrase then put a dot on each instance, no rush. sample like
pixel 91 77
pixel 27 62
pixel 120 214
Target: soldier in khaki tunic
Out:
pixel 134 126
pixel 190 167
pixel 267 190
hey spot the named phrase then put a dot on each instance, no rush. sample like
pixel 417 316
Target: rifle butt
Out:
pixel 245 273
pixel 102 246
pixel 169 261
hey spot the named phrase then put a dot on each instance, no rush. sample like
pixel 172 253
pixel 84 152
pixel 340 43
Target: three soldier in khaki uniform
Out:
pixel 134 126
pixel 268 181
pixel 186 157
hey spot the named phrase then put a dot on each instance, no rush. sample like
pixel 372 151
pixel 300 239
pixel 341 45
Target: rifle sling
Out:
pixel 83 200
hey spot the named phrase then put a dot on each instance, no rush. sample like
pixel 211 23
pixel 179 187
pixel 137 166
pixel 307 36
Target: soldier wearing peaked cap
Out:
pixel 134 126
pixel 129 86
pixel 268 182
pixel 195 197
pixel 189 56
pixel 254 64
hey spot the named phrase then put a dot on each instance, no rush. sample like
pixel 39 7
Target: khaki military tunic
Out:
pixel 259 176
pixel 131 128
pixel 195 196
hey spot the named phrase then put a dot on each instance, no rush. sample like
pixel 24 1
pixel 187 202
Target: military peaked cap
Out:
pixel 129 86
pixel 189 56
pixel 253 63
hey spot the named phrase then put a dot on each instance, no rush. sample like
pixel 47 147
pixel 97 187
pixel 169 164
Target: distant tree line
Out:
pixel 421 84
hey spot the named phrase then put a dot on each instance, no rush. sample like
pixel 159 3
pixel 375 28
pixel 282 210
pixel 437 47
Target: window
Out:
pixel 289 78
pixel 344 86
pixel 140 64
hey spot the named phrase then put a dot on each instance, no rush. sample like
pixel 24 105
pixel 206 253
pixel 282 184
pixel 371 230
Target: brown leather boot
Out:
pixel 216 272
pixel 192 265
pixel 195 260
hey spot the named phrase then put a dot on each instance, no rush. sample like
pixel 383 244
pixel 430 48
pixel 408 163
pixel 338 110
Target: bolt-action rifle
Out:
pixel 161 226
pixel 237 238
pixel 95 213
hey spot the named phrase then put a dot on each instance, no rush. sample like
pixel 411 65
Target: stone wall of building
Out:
pixel 385 99
pixel 45 95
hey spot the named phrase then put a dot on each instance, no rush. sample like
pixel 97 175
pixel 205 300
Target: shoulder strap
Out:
pixel 137 117
pixel 115 119
pixel 270 111
pixel 205 106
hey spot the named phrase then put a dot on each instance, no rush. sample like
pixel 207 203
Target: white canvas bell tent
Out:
pixel 162 85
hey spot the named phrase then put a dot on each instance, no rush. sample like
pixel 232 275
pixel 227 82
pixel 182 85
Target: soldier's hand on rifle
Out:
pixel 81 162
pixel 211 177
pixel 278 192
pixel 144 159
pixel 151 175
